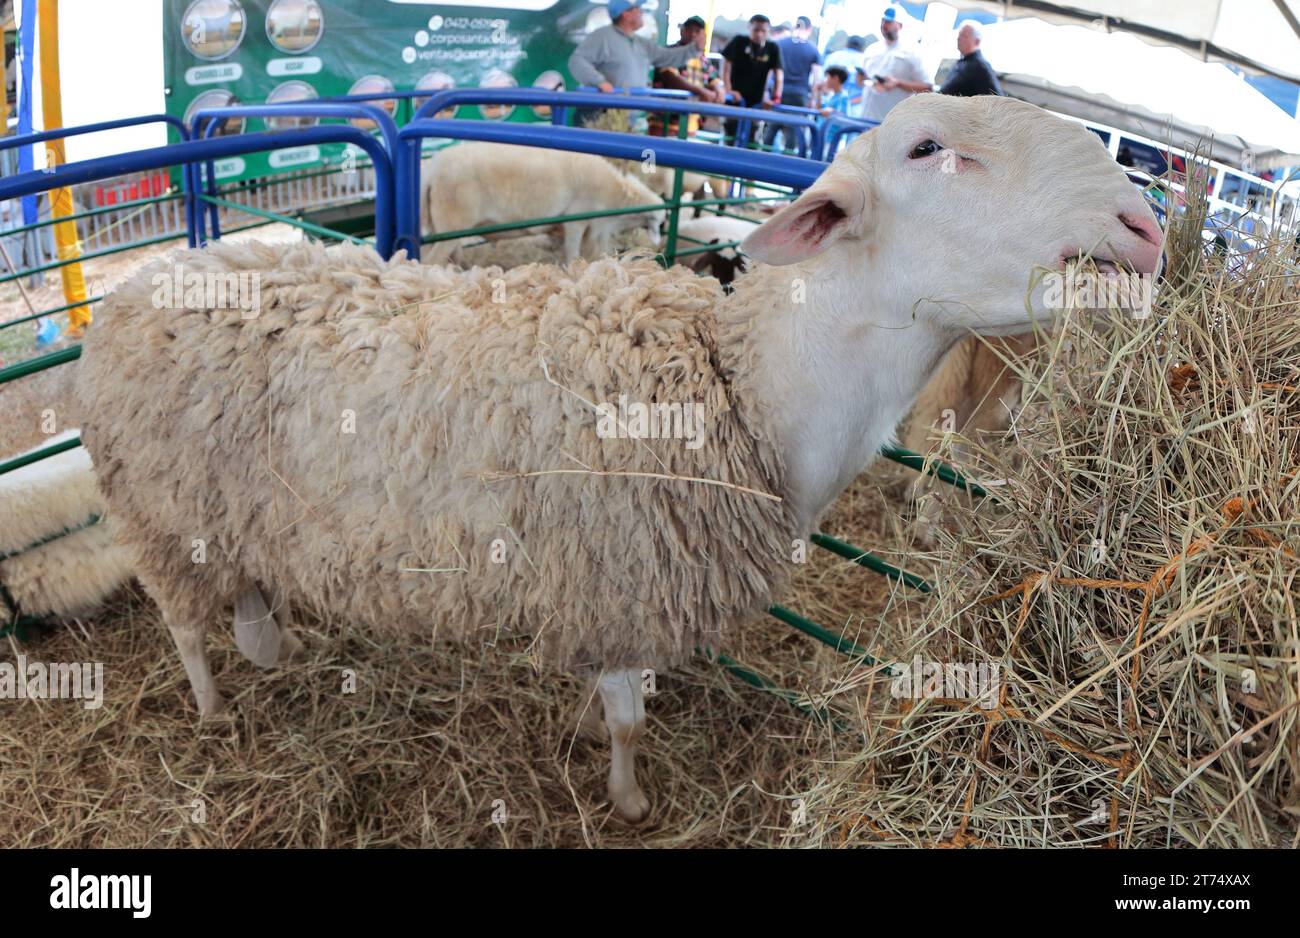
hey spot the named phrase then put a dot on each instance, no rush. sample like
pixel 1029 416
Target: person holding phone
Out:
pixel 895 72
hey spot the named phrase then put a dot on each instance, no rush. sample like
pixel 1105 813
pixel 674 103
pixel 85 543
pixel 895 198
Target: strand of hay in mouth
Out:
pixel 1135 584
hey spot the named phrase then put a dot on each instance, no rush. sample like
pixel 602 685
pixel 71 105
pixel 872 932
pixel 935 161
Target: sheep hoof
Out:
pixel 211 703
pixel 632 806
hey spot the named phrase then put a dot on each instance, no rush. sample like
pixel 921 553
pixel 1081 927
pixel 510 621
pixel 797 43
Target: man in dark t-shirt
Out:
pixel 746 63
pixel 971 74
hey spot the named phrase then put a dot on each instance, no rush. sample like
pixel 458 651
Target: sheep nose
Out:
pixel 1142 248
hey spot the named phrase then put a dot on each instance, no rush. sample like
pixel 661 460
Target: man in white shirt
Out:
pixel 895 72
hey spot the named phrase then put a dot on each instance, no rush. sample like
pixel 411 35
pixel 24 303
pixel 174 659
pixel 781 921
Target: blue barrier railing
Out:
pixel 639 92
pixel 8 143
pixel 396 156
pixel 318 109
pixel 560 115
pixel 726 161
pixel 535 97
pixel 777 169
pixel 190 152
pixel 188 177
pixel 835 127
pixel 840 126
pixel 796 109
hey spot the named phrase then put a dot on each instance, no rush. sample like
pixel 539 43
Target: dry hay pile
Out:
pixel 1135 583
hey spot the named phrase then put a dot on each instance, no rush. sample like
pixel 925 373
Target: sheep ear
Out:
pixel 832 207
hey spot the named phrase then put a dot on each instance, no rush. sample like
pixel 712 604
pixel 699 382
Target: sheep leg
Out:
pixel 596 241
pixel 189 642
pixel 573 233
pixel 186 614
pixel 620 691
pixel 440 252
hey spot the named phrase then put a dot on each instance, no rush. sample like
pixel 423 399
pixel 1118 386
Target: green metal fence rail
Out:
pixel 50 538
pixel 672 205
pixel 92 212
pixel 756 680
pixel 309 227
pixel 32 365
pixel 37 455
pixel 940 470
pixel 870 561
pixel 50 312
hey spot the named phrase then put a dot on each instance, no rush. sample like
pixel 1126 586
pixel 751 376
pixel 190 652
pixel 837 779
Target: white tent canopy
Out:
pixel 1259 35
pixel 1160 93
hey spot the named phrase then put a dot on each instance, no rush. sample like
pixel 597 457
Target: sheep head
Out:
pixel 952 209
pixel 636 192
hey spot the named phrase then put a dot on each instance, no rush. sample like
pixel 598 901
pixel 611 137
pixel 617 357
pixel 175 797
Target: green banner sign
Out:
pixel 223 52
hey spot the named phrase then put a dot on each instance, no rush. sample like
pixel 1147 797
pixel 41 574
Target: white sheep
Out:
pixel 478 184
pixel 659 179
pixel 417 447
pixel 58 556
pixel 723 263
pixel 53 561
pixel 973 392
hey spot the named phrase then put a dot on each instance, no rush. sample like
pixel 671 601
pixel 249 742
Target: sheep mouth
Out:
pixel 1104 265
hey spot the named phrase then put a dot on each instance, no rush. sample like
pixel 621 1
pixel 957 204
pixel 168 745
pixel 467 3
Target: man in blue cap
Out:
pixel 895 72
pixel 615 56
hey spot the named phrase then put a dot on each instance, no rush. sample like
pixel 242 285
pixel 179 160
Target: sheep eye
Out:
pixel 924 148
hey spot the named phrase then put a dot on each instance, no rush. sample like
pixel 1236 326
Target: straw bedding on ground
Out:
pixel 417 756
pixel 1135 582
